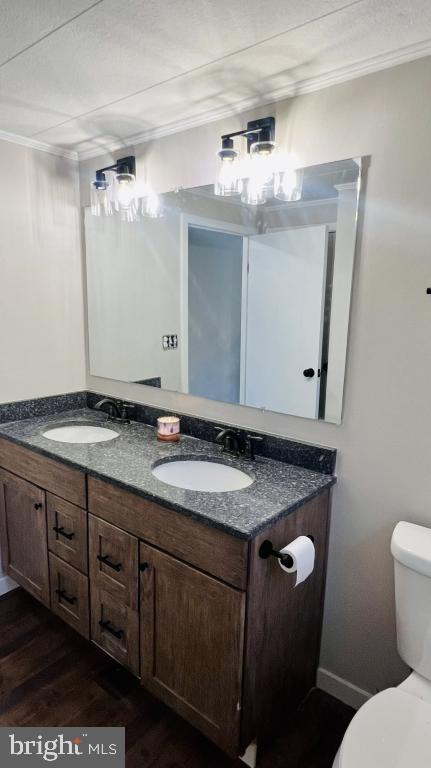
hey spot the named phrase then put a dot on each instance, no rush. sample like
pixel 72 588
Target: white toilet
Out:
pixel 393 729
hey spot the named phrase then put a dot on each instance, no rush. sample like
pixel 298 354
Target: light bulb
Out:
pixel 259 174
pixel 125 196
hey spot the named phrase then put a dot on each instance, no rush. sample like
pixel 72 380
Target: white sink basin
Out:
pixel 80 433
pixel 207 476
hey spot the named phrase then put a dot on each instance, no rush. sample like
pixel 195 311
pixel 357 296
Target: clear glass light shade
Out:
pixel 151 206
pixel 101 201
pixel 228 181
pixel 258 174
pixel 125 198
pixel 262 148
pixel 288 185
pixel 254 192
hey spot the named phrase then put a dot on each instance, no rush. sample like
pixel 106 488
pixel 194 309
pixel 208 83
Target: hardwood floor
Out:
pixel 50 676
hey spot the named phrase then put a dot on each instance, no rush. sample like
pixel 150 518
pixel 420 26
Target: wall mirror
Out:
pixel 233 302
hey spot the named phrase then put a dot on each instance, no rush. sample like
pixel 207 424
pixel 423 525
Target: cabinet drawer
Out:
pixel 115 628
pixel 209 549
pixel 113 562
pixel 69 595
pixel 46 473
pixel 67 532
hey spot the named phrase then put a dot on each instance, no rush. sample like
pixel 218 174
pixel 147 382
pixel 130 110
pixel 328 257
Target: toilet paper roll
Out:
pixel 302 552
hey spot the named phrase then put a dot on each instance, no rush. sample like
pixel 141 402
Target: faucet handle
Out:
pixel 249 447
pixel 125 408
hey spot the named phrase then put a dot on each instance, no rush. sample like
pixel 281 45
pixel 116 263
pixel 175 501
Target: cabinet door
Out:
pixel 23 534
pixel 192 629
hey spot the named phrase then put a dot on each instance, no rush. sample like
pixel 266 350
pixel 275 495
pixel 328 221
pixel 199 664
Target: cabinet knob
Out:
pixel 143 567
pixel 38 505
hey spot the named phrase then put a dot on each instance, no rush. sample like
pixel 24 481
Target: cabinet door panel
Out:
pixel 23 534
pixel 192 629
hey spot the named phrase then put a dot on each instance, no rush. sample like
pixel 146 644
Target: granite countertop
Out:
pixel 126 461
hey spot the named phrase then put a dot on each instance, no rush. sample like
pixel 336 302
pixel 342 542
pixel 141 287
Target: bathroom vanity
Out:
pixel 170 582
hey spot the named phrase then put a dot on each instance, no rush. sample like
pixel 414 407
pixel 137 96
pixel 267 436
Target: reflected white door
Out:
pixel 285 303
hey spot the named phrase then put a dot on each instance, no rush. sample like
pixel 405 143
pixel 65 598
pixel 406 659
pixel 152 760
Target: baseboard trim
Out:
pixel 346 692
pixel 7 584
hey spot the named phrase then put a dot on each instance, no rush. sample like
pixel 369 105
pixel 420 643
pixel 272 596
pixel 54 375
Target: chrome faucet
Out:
pixel 117 410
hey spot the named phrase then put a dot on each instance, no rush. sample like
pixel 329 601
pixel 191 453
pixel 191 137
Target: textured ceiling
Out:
pixel 84 75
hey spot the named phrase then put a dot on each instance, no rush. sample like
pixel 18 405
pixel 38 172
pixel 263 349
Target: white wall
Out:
pixel 384 439
pixel 133 287
pixel 41 305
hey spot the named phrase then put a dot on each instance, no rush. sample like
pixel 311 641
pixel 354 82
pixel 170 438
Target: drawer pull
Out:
pixel 105 559
pixel 62 532
pixel 64 596
pixel 109 628
pixel 38 505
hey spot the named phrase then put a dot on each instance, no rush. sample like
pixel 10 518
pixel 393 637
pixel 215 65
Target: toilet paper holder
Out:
pixel 266 550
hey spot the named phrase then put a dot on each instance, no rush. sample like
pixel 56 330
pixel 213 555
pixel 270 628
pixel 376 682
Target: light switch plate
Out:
pixel 170 341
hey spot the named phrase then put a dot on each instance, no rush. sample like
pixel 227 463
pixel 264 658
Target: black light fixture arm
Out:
pixel 257 130
pixel 123 165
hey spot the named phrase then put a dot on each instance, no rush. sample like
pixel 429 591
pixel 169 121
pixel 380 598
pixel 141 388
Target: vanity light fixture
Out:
pixel 262 173
pixel 116 192
pixel 247 176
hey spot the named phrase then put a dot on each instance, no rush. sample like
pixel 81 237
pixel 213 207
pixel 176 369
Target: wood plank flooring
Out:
pixel 50 676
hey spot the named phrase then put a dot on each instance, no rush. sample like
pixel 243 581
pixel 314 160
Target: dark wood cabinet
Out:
pixel 23 534
pixel 217 632
pixel 192 635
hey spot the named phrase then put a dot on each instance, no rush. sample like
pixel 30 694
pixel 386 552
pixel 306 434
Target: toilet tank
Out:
pixel 411 550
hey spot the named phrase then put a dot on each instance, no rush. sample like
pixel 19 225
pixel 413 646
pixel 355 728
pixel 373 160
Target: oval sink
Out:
pixel 207 476
pixel 80 433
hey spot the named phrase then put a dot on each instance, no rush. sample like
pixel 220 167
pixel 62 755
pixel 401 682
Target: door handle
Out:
pixel 308 373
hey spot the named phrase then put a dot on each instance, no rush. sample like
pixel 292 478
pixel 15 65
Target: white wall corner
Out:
pixel 341 689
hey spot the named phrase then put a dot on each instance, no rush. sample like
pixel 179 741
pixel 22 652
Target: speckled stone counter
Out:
pixel 127 461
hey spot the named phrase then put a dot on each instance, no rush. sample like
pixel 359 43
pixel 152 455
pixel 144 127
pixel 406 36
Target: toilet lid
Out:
pixel 392 730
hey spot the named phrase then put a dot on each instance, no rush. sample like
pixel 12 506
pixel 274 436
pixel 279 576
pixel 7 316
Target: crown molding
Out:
pixel 298 88
pixel 25 141
pixel 308 85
